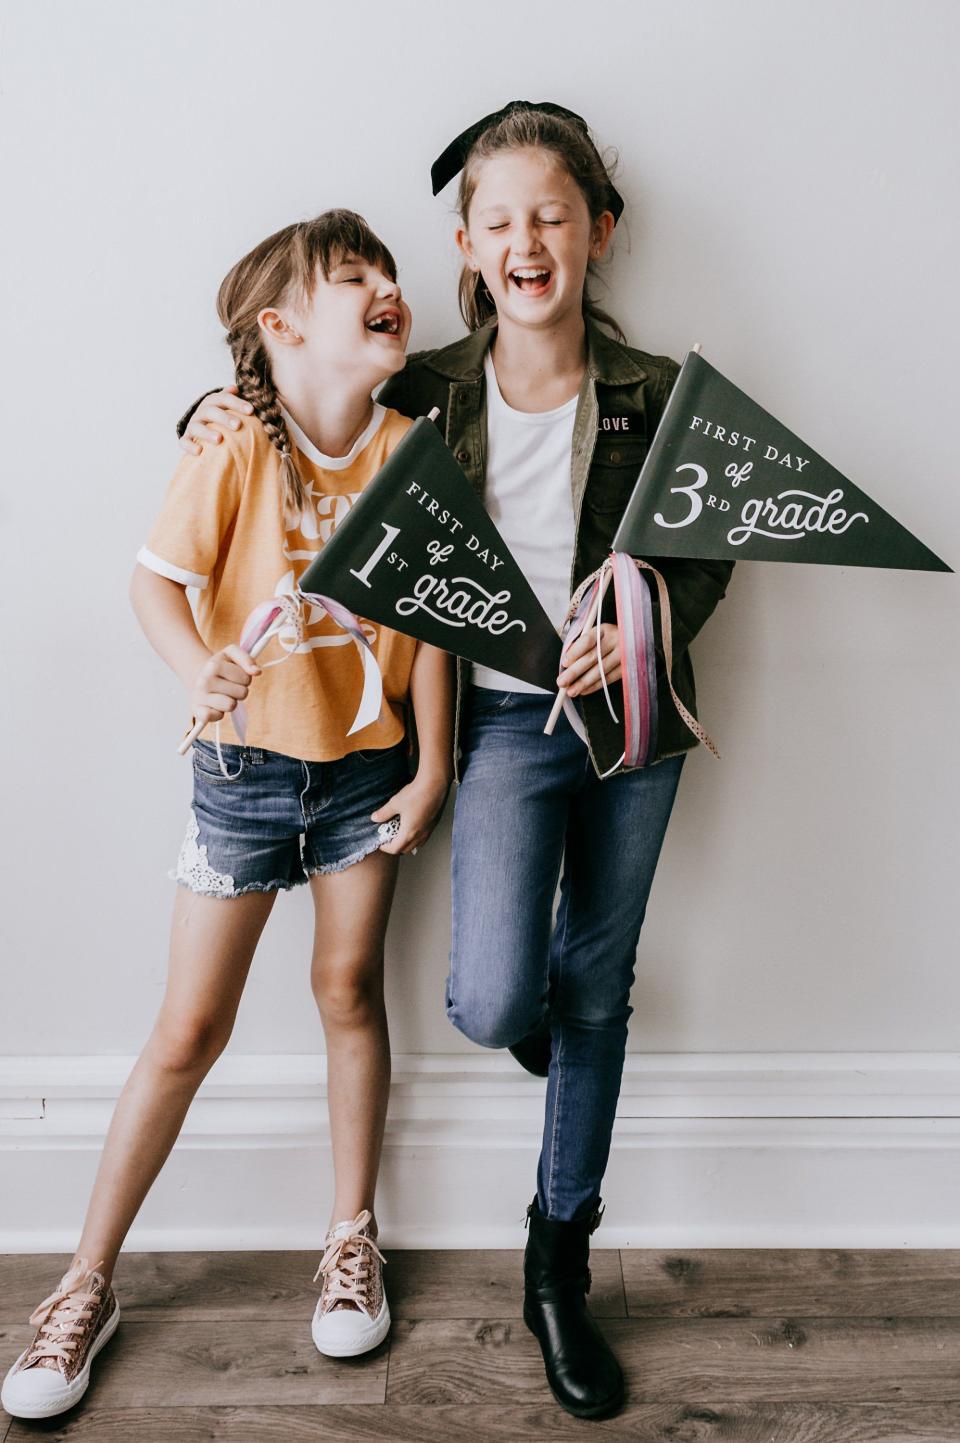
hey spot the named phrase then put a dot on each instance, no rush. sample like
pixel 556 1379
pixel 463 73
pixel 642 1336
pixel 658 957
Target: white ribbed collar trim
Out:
pixel 335 463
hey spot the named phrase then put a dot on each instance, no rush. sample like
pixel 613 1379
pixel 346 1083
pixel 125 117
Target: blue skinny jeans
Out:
pixel 528 805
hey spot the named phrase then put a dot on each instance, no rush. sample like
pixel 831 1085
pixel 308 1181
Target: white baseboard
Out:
pixel 710 1150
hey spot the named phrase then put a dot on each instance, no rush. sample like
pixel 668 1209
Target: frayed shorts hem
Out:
pixel 328 868
pixel 226 896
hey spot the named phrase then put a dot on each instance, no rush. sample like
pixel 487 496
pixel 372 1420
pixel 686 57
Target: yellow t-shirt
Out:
pixel 221 529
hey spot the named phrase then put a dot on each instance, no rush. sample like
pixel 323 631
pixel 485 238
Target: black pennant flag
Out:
pixel 725 480
pixel 419 554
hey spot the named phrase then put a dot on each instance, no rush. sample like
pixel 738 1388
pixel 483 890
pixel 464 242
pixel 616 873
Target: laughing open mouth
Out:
pixel 531 278
pixel 388 323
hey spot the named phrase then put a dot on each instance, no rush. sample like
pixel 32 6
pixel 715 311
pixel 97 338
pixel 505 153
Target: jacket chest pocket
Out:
pixel 613 472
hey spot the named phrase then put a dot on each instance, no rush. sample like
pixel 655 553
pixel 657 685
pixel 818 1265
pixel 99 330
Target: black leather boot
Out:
pixel 533 1051
pixel 583 1374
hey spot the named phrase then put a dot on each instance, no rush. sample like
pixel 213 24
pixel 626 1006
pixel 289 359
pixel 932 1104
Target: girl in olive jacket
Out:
pixel 550 419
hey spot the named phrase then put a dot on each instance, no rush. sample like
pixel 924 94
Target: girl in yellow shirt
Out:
pixel 315 321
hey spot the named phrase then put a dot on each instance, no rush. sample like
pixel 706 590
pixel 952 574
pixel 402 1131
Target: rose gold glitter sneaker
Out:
pixel 73 1324
pixel 352 1315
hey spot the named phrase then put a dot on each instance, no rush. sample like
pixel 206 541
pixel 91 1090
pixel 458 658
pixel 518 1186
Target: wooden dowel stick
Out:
pixel 554 716
pixel 557 707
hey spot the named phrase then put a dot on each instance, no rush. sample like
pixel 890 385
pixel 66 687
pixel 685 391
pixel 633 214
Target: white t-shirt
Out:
pixel 528 497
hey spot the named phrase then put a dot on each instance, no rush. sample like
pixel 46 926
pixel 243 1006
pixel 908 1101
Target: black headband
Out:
pixel 454 158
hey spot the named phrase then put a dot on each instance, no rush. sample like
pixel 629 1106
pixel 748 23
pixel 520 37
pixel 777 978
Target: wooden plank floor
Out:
pixel 758 1346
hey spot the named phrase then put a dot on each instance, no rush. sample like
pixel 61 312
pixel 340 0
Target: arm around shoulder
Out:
pixel 208 419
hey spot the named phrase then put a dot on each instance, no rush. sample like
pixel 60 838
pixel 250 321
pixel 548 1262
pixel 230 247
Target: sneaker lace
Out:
pixel 346 1264
pixel 63 1317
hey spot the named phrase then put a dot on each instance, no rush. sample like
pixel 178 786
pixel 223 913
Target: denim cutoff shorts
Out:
pixel 277 821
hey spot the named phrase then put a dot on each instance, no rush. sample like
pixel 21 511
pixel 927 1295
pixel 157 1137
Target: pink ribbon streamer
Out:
pixel 268 617
pixel 638 663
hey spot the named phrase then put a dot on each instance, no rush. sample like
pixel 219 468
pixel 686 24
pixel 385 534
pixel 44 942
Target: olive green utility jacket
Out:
pixel 619 408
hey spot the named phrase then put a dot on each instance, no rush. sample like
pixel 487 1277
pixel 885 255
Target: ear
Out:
pixel 466 249
pixel 276 328
pixel 600 233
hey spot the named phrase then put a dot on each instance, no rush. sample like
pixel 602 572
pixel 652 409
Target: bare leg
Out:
pixel 352 908
pixel 212 944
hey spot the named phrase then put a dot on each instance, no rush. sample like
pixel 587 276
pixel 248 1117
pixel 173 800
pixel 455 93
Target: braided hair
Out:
pixel 255 385
pixel 280 269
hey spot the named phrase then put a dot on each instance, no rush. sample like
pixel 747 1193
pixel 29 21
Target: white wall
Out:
pixel 789 170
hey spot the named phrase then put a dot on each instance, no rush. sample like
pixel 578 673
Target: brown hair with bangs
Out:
pixel 534 129
pixel 281 269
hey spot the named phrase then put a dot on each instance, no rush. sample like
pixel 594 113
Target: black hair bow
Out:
pixel 453 159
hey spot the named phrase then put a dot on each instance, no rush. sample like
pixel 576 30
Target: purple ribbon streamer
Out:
pixel 263 620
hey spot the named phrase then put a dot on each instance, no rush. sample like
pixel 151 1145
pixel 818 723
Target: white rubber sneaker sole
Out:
pixel 16 1400
pixel 342 1334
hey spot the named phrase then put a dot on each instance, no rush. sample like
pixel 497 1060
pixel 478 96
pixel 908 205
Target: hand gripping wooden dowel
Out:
pixel 255 651
pixel 557 707
pixel 595 606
